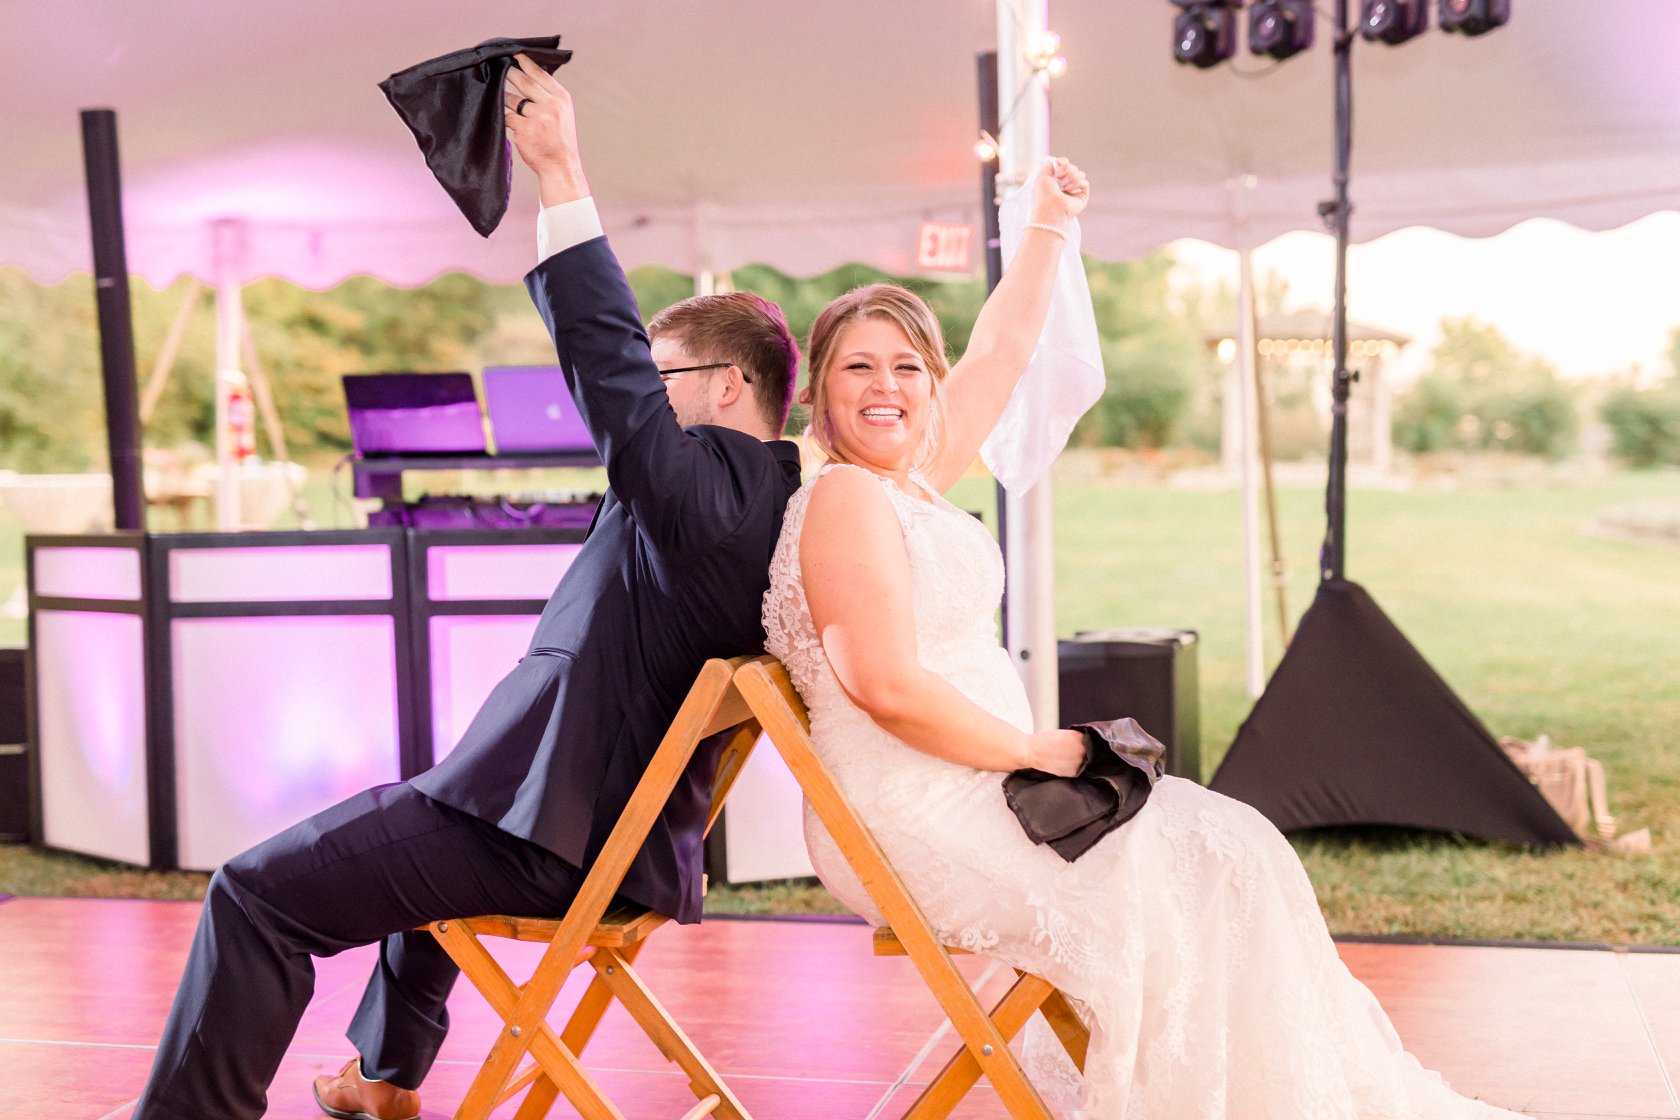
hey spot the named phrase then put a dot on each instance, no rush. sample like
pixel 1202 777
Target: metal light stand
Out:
pixel 1337 212
pixel 1395 746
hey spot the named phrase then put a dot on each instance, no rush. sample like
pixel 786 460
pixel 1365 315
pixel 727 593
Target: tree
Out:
pixel 1482 393
pixel 1152 355
pixel 51 399
pixel 51 409
pixel 308 340
pixel 1644 424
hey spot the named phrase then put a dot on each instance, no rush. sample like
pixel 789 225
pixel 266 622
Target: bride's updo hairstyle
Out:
pixel 896 305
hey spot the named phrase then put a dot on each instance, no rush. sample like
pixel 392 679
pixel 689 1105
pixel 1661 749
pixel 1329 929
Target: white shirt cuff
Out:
pixel 567 224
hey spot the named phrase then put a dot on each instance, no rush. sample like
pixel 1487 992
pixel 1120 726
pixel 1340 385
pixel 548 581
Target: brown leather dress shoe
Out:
pixel 350 1096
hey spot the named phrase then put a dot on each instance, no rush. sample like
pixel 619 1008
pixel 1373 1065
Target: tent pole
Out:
pixel 1247 350
pixel 169 351
pixel 1279 570
pixel 1333 554
pixel 263 393
pixel 1027 523
pixel 992 246
pixel 230 312
pixel 116 318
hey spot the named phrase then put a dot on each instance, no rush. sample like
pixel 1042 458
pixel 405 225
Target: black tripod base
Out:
pixel 1356 728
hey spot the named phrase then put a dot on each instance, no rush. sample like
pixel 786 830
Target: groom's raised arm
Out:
pixel 580 290
pixel 602 347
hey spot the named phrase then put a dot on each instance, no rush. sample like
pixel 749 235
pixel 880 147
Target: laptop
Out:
pixel 413 414
pixel 531 410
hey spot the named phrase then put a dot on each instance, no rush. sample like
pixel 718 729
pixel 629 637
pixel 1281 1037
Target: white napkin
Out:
pixel 1065 376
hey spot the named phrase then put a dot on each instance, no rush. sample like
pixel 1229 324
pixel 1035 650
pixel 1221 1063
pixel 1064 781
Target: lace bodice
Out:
pixel 956 576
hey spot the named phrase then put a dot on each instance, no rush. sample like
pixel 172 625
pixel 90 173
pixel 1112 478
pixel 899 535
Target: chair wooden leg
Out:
pixel 962 1071
pixel 658 1025
pixel 539 1100
pixel 984 1042
pixel 776 705
pixel 586 1017
pixel 560 1066
pixel 580 1028
pixel 1069 1027
pixel 514 1087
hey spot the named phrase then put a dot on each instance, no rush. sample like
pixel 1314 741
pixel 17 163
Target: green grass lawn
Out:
pixel 1539 625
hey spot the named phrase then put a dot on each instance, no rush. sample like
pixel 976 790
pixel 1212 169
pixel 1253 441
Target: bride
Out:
pixel 1190 937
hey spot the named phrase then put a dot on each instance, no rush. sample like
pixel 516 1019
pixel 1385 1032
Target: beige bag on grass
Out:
pixel 1573 784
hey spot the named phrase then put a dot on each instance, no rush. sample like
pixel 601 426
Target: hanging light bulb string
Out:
pixel 1047 63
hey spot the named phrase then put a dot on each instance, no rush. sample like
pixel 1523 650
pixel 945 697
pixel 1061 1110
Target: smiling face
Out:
pixel 877 360
pixel 878 391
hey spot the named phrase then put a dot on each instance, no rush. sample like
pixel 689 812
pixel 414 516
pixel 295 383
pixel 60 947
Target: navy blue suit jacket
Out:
pixel 673 573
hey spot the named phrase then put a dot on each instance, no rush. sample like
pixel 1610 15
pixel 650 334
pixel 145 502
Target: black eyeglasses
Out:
pixel 672 374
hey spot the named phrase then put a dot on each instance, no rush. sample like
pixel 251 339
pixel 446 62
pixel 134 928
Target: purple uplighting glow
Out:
pixel 503 571
pixel 90 680
pixel 88 573
pixel 765 827
pixel 470 653
pixel 280 575
pixel 275 719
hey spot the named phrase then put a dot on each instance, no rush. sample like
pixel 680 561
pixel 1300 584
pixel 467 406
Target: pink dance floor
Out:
pixel 804 1022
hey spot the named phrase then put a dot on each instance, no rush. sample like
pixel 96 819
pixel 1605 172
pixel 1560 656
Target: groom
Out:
pixel 672 574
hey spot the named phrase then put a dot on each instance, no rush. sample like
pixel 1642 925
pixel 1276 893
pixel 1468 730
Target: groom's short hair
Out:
pixel 747 330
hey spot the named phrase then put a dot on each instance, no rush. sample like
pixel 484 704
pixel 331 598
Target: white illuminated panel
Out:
pixel 277 719
pixel 496 571
pixel 88 573
pixel 764 822
pixel 280 574
pixel 90 679
pixel 470 653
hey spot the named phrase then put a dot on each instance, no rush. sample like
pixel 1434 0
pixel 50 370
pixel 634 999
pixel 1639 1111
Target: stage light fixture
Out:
pixel 1280 28
pixel 1393 21
pixel 1205 32
pixel 1473 17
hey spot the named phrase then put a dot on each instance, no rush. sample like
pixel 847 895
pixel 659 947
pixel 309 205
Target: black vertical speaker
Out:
pixel 14 746
pixel 1146 673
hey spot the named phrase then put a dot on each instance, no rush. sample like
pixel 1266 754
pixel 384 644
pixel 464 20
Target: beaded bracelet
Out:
pixel 1047 228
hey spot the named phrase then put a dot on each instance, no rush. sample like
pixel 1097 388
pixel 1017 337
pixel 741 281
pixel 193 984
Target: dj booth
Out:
pixel 194 693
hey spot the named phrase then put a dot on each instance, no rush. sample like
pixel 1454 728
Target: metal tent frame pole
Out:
pixel 1026 522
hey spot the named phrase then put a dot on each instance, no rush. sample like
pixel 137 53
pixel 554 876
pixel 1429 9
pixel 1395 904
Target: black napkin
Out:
pixel 453 105
pixel 1122 764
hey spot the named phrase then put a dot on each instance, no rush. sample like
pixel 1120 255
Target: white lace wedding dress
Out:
pixel 1190 938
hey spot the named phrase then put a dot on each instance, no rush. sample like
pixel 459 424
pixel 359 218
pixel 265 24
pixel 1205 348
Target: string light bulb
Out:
pixel 1043 52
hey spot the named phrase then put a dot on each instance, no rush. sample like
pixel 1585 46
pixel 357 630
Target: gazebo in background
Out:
pixel 1288 336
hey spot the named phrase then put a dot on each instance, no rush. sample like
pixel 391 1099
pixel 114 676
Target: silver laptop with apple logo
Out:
pixel 531 410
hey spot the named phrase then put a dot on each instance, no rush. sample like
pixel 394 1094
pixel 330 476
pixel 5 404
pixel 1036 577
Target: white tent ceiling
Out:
pixel 802 135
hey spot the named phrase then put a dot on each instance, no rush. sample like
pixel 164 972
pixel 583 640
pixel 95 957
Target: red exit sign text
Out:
pixel 943 246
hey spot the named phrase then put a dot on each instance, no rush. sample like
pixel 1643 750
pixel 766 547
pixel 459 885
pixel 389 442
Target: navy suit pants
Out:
pixel 367 870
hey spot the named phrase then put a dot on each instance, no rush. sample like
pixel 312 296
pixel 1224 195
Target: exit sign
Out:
pixel 943 246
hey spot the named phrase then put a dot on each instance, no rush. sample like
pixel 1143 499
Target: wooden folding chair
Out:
pixel 764 685
pixel 610 941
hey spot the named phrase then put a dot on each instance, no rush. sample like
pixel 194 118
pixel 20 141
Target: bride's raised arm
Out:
pixel 1007 328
